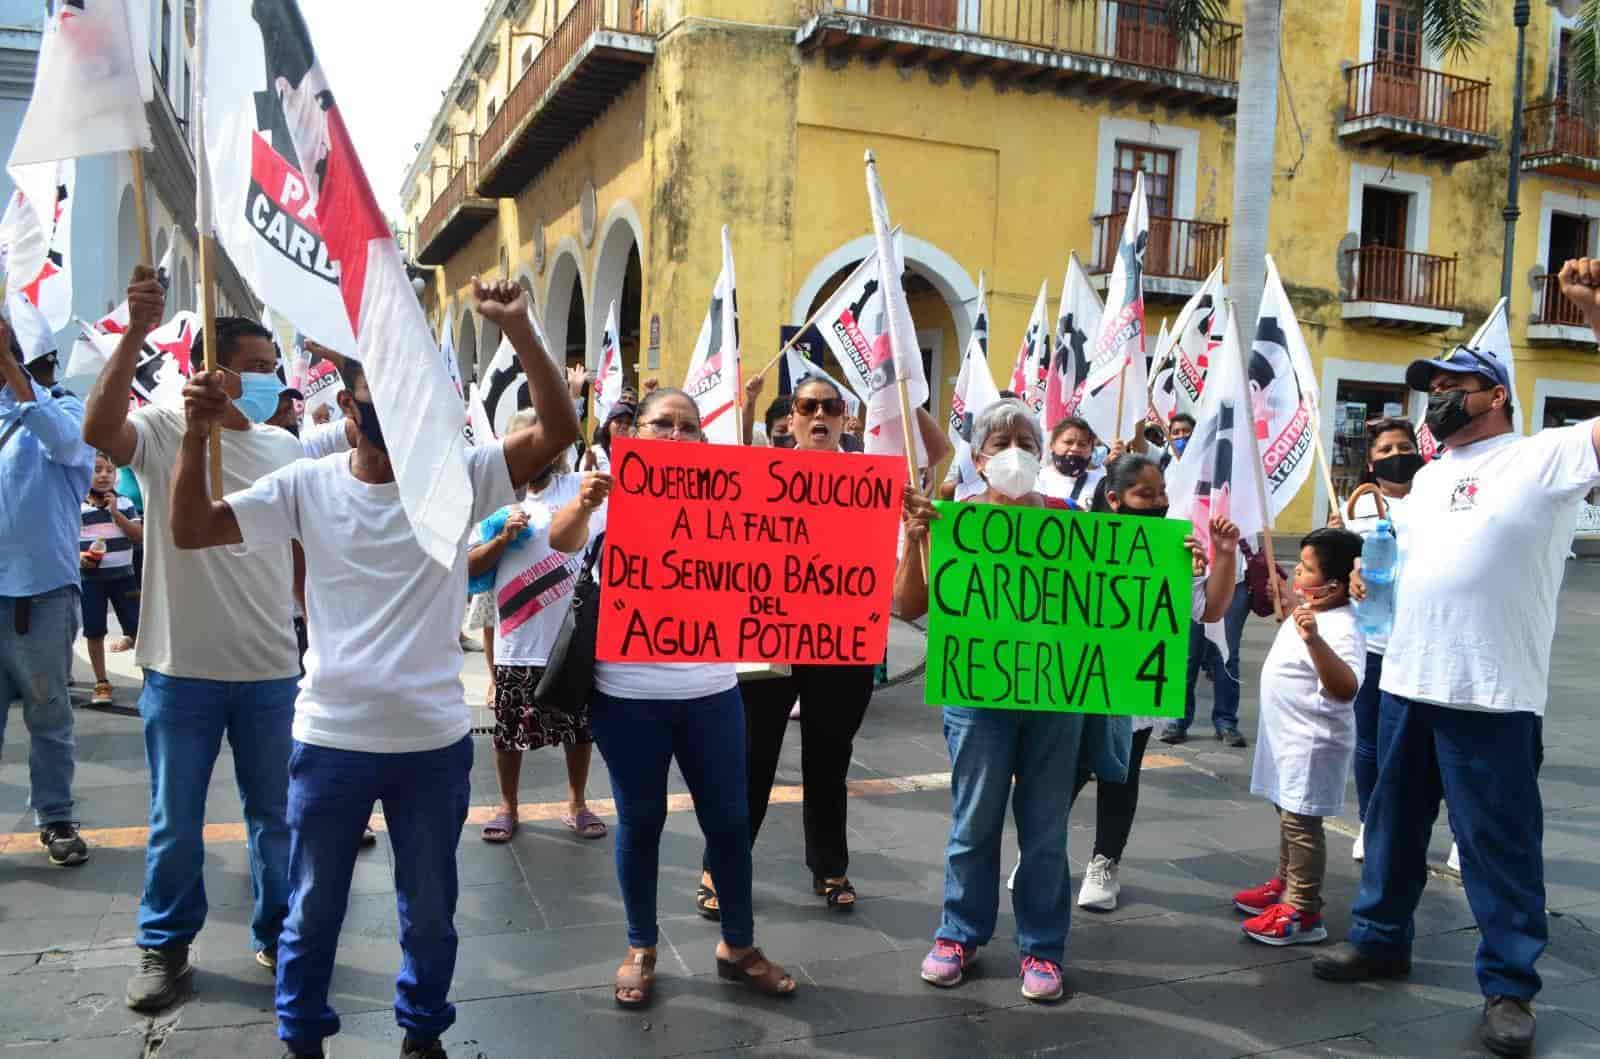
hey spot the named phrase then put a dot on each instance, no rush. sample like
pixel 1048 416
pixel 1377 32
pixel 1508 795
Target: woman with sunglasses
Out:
pixel 833 702
pixel 643 715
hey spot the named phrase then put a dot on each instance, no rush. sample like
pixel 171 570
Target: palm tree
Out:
pixel 1452 28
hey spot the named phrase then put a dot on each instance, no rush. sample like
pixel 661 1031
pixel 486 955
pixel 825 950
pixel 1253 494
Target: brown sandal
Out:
pixel 769 981
pixel 638 974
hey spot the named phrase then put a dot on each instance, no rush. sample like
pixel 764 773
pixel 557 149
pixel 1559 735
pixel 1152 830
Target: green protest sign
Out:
pixel 1036 609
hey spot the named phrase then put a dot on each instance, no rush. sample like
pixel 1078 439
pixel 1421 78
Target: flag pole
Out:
pixel 141 207
pixel 204 227
pixel 1322 463
pixel 773 363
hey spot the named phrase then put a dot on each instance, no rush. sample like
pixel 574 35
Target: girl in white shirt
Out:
pixel 1070 475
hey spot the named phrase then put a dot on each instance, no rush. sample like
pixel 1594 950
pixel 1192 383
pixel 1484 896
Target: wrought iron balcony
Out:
pixel 1413 110
pixel 1401 289
pixel 456 215
pixel 1122 48
pixel 1180 255
pixel 1554 319
pixel 1560 139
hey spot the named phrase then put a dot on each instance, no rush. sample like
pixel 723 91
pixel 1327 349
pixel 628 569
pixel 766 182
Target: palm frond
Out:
pixel 1453 27
pixel 1583 71
pixel 1196 18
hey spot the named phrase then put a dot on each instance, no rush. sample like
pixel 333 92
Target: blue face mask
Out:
pixel 258 397
pixel 1097 459
pixel 1179 444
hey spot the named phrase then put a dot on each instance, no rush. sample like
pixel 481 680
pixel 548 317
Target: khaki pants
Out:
pixel 1302 861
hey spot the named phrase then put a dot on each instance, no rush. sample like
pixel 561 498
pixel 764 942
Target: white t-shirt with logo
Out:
pixel 1475 609
pixel 1079 490
pixel 383 669
pixel 533 582
pixel 206 614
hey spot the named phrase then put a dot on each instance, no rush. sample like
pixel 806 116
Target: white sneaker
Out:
pixel 1100 886
pixel 1453 862
pixel 1011 880
pixel 1359 853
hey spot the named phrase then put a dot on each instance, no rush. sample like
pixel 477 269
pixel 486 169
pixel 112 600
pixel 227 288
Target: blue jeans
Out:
pixel 639 739
pixel 1224 678
pixel 331 794
pixel 184 722
pixel 988 750
pixel 1367 711
pixel 36 668
pixel 1485 765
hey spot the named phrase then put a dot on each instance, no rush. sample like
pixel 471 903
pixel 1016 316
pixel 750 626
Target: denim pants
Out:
pixel 36 668
pixel 331 794
pixel 1366 761
pixel 1029 758
pixel 184 722
pixel 639 740
pixel 1485 766
pixel 1224 678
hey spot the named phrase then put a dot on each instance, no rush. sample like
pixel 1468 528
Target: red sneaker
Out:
pixel 1261 898
pixel 1282 925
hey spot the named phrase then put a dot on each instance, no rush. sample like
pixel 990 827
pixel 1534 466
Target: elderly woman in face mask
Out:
pixel 993 750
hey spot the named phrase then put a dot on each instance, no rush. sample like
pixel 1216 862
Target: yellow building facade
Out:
pixel 593 150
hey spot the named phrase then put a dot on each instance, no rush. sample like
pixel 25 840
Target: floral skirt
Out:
pixel 521 724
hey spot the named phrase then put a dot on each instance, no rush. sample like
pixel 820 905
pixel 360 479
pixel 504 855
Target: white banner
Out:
pixel 713 379
pixel 1030 377
pixel 1118 353
pixel 1283 396
pixel 1076 325
pixel 608 385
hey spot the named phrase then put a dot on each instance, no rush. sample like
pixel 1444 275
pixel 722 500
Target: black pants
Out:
pixel 833 702
pixel 1115 803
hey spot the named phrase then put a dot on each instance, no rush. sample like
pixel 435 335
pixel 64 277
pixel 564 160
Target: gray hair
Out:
pixel 1008 414
pixel 522 420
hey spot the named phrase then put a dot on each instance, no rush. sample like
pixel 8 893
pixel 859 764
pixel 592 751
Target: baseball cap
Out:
pixel 1481 362
pixel 622 410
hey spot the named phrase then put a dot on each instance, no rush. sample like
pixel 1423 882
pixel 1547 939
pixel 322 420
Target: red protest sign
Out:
pixel 721 553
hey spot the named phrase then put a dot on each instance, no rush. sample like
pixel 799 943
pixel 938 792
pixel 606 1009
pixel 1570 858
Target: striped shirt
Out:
pixel 98 525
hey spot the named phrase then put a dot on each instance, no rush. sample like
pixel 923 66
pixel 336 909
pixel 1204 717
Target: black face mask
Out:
pixel 1399 468
pixel 1071 466
pixel 783 441
pixel 1146 512
pixel 1447 413
pixel 369 426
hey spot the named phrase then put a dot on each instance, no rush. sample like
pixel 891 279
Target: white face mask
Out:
pixel 1012 473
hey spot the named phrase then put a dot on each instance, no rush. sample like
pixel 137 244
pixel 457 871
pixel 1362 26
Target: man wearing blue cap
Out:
pixel 1466 677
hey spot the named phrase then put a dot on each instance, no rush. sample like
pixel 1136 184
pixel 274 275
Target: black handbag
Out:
pixel 568 676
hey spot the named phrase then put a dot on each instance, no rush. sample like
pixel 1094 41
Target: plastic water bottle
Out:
pixel 1379 554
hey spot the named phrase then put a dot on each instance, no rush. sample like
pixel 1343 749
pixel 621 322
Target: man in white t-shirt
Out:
pixel 215 643
pixel 1466 677
pixel 381 713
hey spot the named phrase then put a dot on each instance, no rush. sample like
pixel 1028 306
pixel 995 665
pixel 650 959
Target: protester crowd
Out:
pixel 296 615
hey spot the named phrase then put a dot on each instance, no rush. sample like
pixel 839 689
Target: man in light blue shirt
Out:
pixel 46 468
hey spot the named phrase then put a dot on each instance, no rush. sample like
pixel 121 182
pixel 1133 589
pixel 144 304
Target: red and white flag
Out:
pixel 165 361
pixel 1030 375
pixel 886 427
pixel 975 389
pixel 713 379
pixel 93 81
pixel 292 206
pixel 1076 325
pixel 1283 396
pixel 36 236
pixel 608 386
pixel 1116 376
pixel 1197 333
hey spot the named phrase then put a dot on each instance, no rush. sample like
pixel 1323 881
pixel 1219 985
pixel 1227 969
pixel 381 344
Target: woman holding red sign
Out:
pixel 643 715
pixel 833 701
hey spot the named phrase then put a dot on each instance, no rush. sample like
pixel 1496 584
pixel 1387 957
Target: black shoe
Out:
pixel 302 1055
pixel 1173 735
pixel 66 849
pixel 411 1049
pixel 1508 1026
pixel 1231 737
pixel 159 979
pixel 1346 963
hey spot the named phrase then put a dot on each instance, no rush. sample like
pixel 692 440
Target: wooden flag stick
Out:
pixel 205 225
pixel 208 311
pixel 141 208
pixel 1322 462
pixel 773 363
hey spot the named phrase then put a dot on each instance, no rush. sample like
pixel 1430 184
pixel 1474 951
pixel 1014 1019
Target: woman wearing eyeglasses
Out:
pixel 833 701
pixel 644 715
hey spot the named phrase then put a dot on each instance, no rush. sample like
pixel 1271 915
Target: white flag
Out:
pixel 1118 352
pixel 1283 396
pixel 975 389
pixel 1076 325
pixel 1030 378
pixel 88 97
pixel 165 362
pixel 503 390
pixel 1197 333
pixel 447 351
pixel 292 206
pixel 1161 384
pixel 36 236
pixel 477 417
pixel 1494 338
pixel 886 428
pixel 801 368
pixel 608 387
pixel 713 379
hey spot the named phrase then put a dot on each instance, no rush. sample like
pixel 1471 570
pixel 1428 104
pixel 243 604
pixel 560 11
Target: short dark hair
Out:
pixel 1183 417
pixel 1336 549
pixel 780 407
pixel 350 373
pixel 1121 475
pixel 1072 423
pixel 231 330
pixel 1379 427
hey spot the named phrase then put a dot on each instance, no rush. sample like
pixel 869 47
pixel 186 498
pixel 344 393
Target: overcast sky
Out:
pixel 388 61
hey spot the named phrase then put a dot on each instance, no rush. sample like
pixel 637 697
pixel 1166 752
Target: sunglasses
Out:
pixel 807 406
pixel 666 428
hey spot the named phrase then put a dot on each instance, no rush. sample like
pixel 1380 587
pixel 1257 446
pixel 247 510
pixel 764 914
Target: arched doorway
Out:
pixel 566 321
pixel 618 278
pixel 467 347
pixel 127 244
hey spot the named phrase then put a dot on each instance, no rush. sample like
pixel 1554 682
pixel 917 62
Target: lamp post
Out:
pixel 1519 18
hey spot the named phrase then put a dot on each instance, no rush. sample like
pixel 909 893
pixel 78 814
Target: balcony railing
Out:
pixel 1402 277
pixel 572 42
pixel 1561 139
pixel 1138 33
pixel 1415 93
pixel 1178 248
pixel 455 216
pixel 1550 306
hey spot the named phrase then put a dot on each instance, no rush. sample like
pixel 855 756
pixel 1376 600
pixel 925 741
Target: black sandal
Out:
pixel 706 903
pixel 840 895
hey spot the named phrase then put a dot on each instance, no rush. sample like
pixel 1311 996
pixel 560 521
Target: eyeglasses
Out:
pixel 666 428
pixel 807 406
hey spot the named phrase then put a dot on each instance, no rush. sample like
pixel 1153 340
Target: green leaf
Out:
pixel 1453 27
